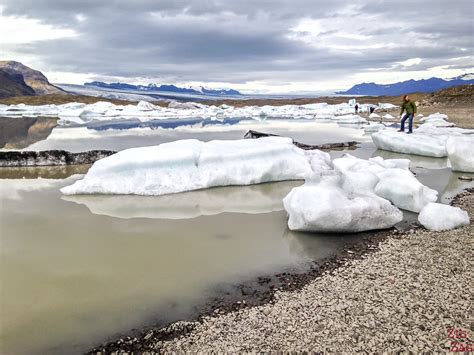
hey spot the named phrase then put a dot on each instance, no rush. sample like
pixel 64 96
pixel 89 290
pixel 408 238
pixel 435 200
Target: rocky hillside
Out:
pixel 33 78
pixel 455 96
pixel 13 85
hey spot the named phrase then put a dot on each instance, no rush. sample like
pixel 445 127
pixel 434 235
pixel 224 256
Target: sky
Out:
pixel 259 46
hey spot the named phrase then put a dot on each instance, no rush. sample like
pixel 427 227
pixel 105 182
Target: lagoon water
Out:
pixel 77 270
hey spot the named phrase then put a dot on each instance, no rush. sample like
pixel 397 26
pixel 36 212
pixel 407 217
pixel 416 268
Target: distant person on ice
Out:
pixel 410 108
pixel 356 108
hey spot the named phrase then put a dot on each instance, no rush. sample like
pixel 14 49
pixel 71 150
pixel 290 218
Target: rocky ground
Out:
pixel 405 297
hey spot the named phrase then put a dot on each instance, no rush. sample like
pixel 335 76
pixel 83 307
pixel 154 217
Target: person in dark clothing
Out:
pixel 409 107
pixel 357 108
pixel 371 109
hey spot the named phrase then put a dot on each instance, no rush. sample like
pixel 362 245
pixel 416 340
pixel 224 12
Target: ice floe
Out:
pixel 187 165
pixel 79 113
pixel 325 206
pixel 439 217
pixel 420 144
pixel 436 137
pixel 461 153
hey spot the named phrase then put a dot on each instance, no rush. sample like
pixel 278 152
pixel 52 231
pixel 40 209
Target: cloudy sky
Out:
pixel 255 46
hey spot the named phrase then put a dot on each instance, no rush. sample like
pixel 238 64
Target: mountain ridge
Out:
pixel 33 78
pixel 409 86
pixel 164 87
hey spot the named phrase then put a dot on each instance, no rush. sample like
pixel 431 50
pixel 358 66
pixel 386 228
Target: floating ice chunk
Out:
pixel 349 119
pixel 319 161
pixel 461 153
pixel 402 188
pixel 420 144
pixel 145 106
pixel 183 105
pixel 434 116
pixel 394 181
pixel 392 163
pixel 325 206
pixel 186 165
pixel 386 106
pixel 439 217
pixel 374 128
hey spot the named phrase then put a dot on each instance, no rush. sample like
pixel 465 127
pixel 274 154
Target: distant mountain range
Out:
pixel 168 88
pixel 408 87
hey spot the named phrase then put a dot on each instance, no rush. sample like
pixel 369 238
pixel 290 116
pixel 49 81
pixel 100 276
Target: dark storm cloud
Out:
pixel 238 41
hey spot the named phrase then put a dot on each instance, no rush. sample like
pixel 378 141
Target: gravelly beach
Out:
pixel 402 298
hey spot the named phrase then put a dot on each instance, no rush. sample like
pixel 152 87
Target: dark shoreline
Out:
pixel 254 292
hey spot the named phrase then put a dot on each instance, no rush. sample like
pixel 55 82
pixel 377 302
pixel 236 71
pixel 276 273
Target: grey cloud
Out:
pixel 239 41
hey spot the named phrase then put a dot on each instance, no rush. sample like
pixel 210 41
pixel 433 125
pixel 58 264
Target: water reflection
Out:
pixel 43 172
pixel 253 199
pixel 80 138
pixel 415 160
pixel 84 277
pixel 20 132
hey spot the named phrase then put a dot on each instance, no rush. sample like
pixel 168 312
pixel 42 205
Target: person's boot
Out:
pixel 409 132
pixel 401 130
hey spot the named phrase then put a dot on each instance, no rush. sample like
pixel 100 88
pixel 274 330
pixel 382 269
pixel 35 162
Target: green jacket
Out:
pixel 408 106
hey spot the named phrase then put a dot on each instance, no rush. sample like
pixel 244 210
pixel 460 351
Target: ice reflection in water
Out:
pixel 253 199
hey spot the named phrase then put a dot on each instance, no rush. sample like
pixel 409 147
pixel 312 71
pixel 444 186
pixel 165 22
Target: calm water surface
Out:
pixel 76 270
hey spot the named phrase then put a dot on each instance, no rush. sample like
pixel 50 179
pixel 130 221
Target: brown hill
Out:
pixel 455 96
pixel 33 78
pixel 13 85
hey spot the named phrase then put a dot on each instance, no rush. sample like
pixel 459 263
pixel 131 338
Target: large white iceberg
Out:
pixel 421 144
pixel 461 153
pixel 326 206
pixel 439 217
pixel 187 165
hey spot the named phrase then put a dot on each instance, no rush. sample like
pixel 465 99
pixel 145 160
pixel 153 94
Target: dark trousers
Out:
pixel 408 116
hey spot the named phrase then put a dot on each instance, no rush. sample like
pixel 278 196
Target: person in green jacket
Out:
pixel 410 108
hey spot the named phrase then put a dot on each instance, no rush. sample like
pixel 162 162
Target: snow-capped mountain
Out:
pixel 409 86
pixel 167 88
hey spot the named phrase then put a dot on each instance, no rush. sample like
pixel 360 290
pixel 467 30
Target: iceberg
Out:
pixel 325 206
pixel 416 143
pixel 461 153
pixel 143 110
pixel 187 165
pixel 403 189
pixel 439 217
pixel 390 179
pixel 374 128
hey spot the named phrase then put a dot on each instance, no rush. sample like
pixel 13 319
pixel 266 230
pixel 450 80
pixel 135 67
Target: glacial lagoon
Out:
pixel 77 270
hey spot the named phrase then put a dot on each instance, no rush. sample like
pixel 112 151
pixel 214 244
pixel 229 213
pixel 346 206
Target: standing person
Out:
pixel 357 109
pixel 410 108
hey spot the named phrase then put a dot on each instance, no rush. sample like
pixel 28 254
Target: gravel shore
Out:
pixel 404 297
